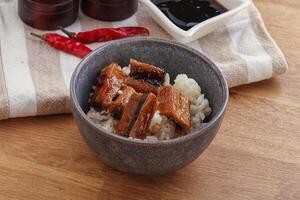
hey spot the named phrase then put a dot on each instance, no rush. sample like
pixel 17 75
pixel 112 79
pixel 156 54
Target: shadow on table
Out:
pixel 179 184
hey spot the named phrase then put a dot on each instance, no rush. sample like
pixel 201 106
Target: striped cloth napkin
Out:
pixel 34 78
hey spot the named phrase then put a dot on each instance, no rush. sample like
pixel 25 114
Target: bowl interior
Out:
pixel 174 58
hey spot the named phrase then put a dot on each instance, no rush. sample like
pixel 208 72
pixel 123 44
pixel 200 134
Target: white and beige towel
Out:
pixel 34 78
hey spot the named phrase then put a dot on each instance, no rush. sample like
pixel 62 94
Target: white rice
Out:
pixel 106 121
pixel 200 108
pixel 120 92
pixel 162 127
pixel 126 70
pixel 167 80
pixel 187 86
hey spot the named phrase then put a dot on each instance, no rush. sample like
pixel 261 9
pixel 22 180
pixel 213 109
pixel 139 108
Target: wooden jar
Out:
pixel 109 10
pixel 48 14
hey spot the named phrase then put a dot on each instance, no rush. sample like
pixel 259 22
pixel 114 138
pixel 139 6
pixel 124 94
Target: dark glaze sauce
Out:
pixel 187 13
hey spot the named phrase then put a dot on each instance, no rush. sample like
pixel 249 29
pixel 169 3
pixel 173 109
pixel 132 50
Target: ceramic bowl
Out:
pixel 203 28
pixel 139 156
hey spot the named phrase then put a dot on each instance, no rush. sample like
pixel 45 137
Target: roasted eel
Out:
pixel 141 86
pixel 137 115
pixel 176 106
pixel 113 70
pixel 140 127
pixel 146 72
pixel 121 101
pixel 109 83
pixel 130 114
pixel 134 99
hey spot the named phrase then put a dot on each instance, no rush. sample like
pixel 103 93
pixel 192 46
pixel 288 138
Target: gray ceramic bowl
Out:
pixel 141 157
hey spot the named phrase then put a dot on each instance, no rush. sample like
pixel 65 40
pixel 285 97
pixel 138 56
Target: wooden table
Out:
pixel 256 154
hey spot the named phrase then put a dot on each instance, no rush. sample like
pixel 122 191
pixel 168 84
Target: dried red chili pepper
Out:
pixel 106 34
pixel 65 44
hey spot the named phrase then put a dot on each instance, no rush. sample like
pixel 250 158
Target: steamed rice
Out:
pixel 200 108
pixel 167 80
pixel 162 127
pixel 104 120
pixel 126 70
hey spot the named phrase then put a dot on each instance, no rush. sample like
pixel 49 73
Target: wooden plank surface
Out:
pixel 256 154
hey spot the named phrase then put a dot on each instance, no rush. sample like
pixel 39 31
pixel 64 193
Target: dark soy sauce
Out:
pixel 187 13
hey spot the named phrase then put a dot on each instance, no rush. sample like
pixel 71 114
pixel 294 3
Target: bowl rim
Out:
pixel 190 135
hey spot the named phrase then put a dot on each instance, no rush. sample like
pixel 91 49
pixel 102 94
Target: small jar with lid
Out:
pixel 48 14
pixel 109 10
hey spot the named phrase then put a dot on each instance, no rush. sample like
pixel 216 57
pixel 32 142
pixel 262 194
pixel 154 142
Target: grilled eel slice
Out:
pixel 141 86
pixel 121 101
pixel 142 123
pixel 176 106
pixel 109 83
pixel 147 73
pixel 137 115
